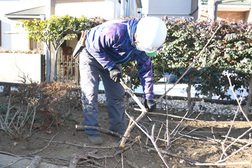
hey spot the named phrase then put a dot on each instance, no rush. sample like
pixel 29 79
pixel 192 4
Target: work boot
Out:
pixel 95 139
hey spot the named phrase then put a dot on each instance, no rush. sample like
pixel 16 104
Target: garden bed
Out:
pixel 196 144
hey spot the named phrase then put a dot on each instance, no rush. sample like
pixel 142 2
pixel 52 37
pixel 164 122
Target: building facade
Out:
pixel 216 10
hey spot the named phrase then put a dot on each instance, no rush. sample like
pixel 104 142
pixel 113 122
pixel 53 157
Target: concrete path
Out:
pixel 16 162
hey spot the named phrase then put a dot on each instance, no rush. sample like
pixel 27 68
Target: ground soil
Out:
pixel 198 143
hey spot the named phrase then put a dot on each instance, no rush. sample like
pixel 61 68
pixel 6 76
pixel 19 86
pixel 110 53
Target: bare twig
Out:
pixel 167 133
pixel 239 102
pixel 171 154
pixel 13 155
pixel 236 112
pixel 131 164
pixel 116 153
pixel 198 137
pixel 74 161
pixel 235 142
pixel 35 162
pixel 83 145
pixel 238 140
pixel 229 130
pixel 33 118
pixel 175 130
pixel 40 150
pixel 169 115
pixel 82 127
pixel 159 133
pixel 199 163
pixel 222 164
pixel 183 135
pixel 12 163
pixel 212 131
pixel 247 145
pixel 152 140
pixel 122 160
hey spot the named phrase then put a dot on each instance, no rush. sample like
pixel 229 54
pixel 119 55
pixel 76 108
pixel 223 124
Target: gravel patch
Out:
pixel 181 105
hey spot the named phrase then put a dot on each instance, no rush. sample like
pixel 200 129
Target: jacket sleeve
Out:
pixel 145 74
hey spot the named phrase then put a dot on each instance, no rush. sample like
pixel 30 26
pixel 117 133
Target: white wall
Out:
pixel 14 38
pixel 108 9
pixel 103 9
pixel 13 66
pixel 170 8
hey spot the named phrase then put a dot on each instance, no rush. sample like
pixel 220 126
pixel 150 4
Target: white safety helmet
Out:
pixel 150 35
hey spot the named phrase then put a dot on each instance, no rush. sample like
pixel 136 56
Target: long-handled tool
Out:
pixel 132 125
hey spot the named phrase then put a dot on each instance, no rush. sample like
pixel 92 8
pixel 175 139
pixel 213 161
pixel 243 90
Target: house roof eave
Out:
pixel 31 13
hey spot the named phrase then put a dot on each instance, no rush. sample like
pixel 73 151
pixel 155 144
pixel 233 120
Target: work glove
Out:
pixel 115 74
pixel 150 105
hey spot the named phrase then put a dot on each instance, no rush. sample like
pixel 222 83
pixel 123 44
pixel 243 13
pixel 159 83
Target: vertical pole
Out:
pixel 115 6
pixel 216 10
pixel 250 14
pixel 210 15
pixel 122 13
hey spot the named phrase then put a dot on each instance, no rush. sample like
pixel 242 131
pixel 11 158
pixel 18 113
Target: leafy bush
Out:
pixel 229 49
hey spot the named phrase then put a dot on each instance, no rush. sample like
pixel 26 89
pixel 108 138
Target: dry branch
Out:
pixel 195 163
pixel 40 150
pixel 238 140
pixel 169 115
pixel 131 164
pixel 82 128
pixel 131 126
pixel 151 137
pixel 84 146
pixel 74 161
pixel 92 155
pixel 35 162
pixel 239 103
pixel 220 124
pixel 224 150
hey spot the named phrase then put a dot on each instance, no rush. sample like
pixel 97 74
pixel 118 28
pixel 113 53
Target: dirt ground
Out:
pixel 195 144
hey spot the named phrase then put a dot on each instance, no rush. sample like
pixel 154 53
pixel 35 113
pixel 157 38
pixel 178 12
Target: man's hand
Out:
pixel 150 105
pixel 115 74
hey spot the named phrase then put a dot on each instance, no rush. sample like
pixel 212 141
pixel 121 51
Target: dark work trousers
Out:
pixel 90 70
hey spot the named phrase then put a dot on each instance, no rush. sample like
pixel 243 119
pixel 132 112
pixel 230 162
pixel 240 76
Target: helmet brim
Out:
pixel 152 54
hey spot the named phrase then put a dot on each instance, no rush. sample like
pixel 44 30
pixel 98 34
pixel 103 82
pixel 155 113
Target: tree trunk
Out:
pixel 188 91
pixel 55 65
pixel 48 64
pixel 249 101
